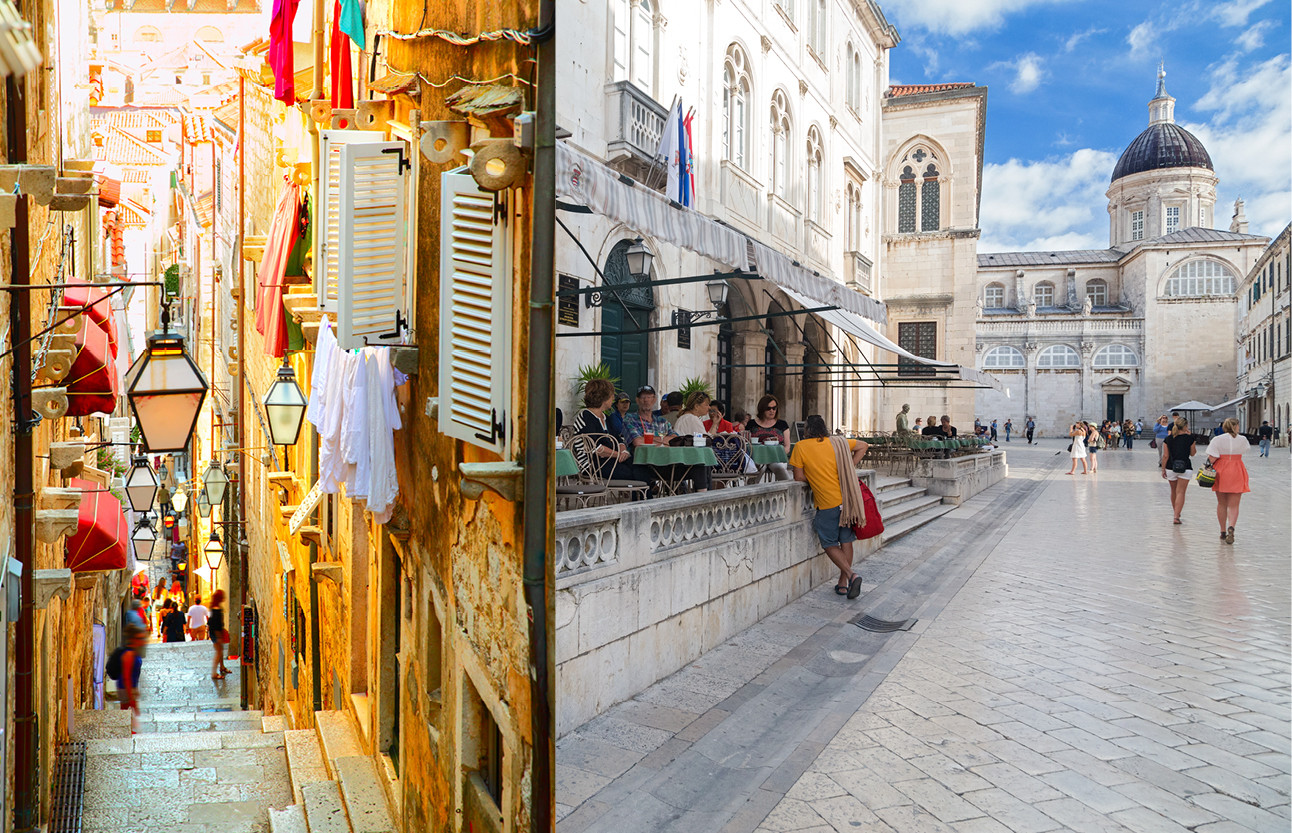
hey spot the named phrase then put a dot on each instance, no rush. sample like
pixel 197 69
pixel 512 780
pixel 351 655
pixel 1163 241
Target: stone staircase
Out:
pixel 905 508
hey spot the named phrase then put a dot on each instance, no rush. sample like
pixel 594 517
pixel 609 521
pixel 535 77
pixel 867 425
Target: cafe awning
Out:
pixel 1223 405
pixel 101 532
pixel 92 385
pixel 583 180
pixel 100 313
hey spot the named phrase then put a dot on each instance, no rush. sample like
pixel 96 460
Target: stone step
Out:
pixel 906 508
pixel 304 760
pixel 913 522
pixel 274 723
pixel 365 800
pixel 888 497
pixel 184 742
pixel 338 737
pixel 290 820
pixel 885 482
pixel 324 811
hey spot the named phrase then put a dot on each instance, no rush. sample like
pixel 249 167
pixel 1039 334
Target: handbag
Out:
pixel 874 524
pixel 1179 466
pixel 1207 476
pixel 224 636
pixel 1152 443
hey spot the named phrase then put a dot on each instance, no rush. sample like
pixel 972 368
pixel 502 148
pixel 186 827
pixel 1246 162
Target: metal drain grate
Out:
pixel 68 788
pixel 870 623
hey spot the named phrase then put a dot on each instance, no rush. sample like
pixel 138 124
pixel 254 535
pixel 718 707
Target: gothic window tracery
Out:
pixel 906 201
pixel 780 118
pixel 815 157
pixel 930 200
pixel 853 96
pixel 735 107
pixel 852 208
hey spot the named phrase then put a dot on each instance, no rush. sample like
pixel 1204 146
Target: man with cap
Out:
pixel 638 422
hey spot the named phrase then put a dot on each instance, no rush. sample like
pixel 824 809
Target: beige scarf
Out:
pixel 853 510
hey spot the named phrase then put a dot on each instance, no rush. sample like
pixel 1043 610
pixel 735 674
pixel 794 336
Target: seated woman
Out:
pixel 690 423
pixel 612 459
pixel 768 425
pixel 932 428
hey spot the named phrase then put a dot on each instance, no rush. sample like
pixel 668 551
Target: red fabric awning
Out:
pixel 101 532
pixel 100 313
pixel 91 384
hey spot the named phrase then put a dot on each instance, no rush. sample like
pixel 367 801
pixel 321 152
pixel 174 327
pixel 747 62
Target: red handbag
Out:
pixel 874 521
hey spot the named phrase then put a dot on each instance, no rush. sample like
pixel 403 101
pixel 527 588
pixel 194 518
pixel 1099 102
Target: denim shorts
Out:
pixel 828 531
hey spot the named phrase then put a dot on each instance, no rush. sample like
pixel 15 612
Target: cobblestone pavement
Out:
pixel 1078 663
pixel 198 764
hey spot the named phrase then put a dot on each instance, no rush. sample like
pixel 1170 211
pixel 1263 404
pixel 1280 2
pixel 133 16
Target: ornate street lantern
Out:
pixel 285 406
pixel 166 390
pixel 214 483
pixel 717 293
pixel 214 550
pixel 143 538
pixel 639 260
pixel 203 505
pixel 178 501
pixel 141 485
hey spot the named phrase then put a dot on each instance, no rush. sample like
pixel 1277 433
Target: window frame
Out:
pixel 994 288
pixel 1099 363
pixel 815 178
pixel 782 131
pixel 917 337
pixel 1096 288
pixel 1137 225
pixel 1044 363
pixel 1004 350
pixel 1200 285
pixel 1036 292
pixel 1169 213
pixel 736 91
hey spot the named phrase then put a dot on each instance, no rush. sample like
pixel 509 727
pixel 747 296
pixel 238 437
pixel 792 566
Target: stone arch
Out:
pixel 909 166
pixel 1192 264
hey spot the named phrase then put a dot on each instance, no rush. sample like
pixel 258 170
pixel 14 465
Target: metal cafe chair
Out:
pixel 732 452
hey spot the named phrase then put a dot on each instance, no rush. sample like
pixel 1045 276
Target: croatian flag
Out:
pixel 675 149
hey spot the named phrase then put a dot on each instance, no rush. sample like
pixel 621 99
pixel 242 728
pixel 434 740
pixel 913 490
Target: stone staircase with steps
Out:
pixel 905 508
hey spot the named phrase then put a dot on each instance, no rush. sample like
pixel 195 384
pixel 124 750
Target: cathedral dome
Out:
pixel 1162 145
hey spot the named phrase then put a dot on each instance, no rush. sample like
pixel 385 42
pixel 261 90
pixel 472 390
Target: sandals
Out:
pixel 854 587
pixel 1176 521
pixel 840 590
pixel 1229 536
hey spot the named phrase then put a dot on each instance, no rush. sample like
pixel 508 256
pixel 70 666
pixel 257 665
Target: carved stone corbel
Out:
pixel 67 457
pixel 328 571
pixel 52 524
pixel 50 403
pixel 53 497
pixel 50 583
pixel 501 478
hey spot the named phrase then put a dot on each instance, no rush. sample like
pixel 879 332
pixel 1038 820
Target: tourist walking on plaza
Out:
pixel 1176 466
pixel 1031 429
pixel 132 664
pixel 1266 434
pixel 1128 434
pixel 822 462
pixel 993 430
pixel 219 635
pixel 1094 442
pixel 1077 448
pixel 1009 426
pixel 197 617
pixel 767 425
pixel 1225 454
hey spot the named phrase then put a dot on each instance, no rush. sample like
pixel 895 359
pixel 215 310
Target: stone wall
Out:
pixel 959 478
pixel 644 588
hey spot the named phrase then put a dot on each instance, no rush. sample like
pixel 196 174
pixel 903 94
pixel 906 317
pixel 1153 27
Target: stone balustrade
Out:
pixel 644 588
pixel 1058 325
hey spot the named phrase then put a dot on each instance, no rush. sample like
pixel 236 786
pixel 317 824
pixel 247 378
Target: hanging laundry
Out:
pixel 383 421
pixel 352 21
pixel 342 71
pixel 270 316
pixel 281 58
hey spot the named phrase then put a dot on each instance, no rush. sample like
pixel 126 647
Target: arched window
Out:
pixel 994 296
pixel 634 43
pixel 780 144
pixel 816 26
pixel 148 34
pixel 814 161
pixel 1116 355
pixel 852 197
pixel 1097 292
pixel 735 107
pixel 906 202
pixel 1043 294
pixel 1003 357
pixel 1199 278
pixel 930 200
pixel 209 34
pixel 1058 356
pixel 853 71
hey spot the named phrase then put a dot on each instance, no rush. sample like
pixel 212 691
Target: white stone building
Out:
pixel 1127 331
pixel 1265 339
pixel 786 137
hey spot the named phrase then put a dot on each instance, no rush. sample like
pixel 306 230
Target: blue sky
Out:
pixel 1069 85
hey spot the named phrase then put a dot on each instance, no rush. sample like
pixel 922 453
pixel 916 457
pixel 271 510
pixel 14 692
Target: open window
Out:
pixel 327 214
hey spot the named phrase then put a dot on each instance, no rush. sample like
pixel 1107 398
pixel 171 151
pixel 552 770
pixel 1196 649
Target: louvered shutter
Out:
pixel 475 314
pixel 327 224
pixel 371 243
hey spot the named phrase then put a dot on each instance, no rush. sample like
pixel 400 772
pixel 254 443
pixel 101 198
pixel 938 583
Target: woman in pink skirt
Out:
pixel 1225 454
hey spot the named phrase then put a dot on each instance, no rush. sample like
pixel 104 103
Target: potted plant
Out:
pixel 587 373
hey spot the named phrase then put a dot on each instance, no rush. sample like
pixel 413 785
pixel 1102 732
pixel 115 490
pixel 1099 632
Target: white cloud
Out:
pixel 1254 38
pixel 1142 37
pixel 1075 40
pixel 1028 73
pixel 1050 204
pixel 957 17
pixel 1236 12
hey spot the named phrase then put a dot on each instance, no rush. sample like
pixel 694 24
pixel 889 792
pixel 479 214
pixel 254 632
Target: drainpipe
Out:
pixel 24 816
pixel 537 521
pixel 315 95
pixel 240 306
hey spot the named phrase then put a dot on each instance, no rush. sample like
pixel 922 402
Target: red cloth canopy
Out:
pixel 92 385
pixel 100 313
pixel 101 532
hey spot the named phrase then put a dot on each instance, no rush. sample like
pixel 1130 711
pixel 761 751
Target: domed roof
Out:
pixel 1162 145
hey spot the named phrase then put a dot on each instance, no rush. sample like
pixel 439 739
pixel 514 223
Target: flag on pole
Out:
pixel 670 146
pixel 688 166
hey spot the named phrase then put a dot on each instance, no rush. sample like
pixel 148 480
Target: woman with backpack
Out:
pixel 124 666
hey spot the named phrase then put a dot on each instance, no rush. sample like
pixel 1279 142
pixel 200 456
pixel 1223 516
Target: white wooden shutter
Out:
pixel 327 225
pixel 373 236
pixel 475 313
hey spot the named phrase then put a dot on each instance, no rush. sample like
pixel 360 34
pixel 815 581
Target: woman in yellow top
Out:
pixel 813 461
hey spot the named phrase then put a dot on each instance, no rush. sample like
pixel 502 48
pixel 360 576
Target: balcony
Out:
pixel 857 266
pixel 636 123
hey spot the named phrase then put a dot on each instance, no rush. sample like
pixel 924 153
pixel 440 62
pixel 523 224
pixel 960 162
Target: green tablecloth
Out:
pixel 765 454
pixel 566 466
pixel 665 455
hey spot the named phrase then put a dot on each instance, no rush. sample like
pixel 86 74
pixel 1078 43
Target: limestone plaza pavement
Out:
pixel 1078 663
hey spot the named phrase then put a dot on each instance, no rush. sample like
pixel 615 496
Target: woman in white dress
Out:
pixel 1078 435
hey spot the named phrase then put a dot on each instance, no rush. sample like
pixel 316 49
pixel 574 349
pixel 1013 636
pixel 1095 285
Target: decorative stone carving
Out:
pixel 766 44
pixel 46 584
pixel 501 478
pixel 586 547
pixel 803 87
pixel 679 526
pixel 52 524
pixel 332 571
pixel 64 456
pixel 58 498
pixel 834 123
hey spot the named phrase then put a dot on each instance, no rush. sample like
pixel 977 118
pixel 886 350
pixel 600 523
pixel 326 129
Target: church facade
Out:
pixel 1128 331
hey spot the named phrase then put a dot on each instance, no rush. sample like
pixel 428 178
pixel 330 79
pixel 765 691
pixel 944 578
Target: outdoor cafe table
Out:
pixel 566 465
pixel 673 463
pixel 765 455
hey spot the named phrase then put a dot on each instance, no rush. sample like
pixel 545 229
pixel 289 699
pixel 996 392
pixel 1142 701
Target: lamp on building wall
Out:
pixel 214 483
pixel 639 260
pixel 203 505
pixel 141 484
pixel 214 550
pixel 143 538
pixel 285 406
pixel 166 390
pixel 717 290
pixel 178 501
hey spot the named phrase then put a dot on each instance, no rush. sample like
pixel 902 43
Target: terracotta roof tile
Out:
pixel 897 90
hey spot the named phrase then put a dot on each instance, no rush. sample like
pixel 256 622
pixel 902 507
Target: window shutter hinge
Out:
pixel 403 164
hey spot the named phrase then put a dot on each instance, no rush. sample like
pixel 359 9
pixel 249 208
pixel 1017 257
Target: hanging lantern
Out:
pixel 639 260
pixel 214 550
pixel 214 483
pixel 143 538
pixel 178 501
pixel 168 521
pixel 141 485
pixel 285 406
pixel 166 390
pixel 203 505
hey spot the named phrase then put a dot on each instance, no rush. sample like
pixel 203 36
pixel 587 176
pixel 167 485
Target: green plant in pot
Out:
pixel 587 373
pixel 695 383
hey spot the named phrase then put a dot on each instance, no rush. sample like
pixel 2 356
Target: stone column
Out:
pixel 793 405
pixel 1029 385
pixel 747 383
pixel 822 398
